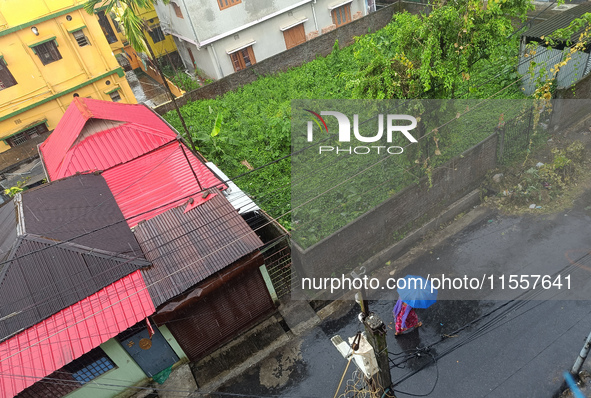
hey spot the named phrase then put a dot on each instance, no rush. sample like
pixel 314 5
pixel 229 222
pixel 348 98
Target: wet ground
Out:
pixel 146 90
pixel 506 347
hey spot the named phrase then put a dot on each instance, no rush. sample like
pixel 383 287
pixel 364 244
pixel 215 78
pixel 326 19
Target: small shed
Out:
pixel 534 49
pixel 205 279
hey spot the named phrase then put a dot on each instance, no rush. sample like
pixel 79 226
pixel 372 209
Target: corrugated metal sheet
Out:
pixel 240 200
pixel 559 21
pixel 56 146
pixel 545 59
pixel 39 285
pixel 39 278
pixel 158 181
pixel 192 246
pixel 218 317
pixel 38 351
pixel 111 147
pixel 573 71
pixel 74 206
pixel 7 230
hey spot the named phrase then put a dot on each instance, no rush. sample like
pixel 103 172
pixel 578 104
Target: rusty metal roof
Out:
pixel 560 21
pixel 43 269
pixel 190 246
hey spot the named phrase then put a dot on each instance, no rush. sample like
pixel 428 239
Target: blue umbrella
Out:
pixel 416 291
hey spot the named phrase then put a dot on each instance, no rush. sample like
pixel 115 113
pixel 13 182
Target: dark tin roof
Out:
pixel 41 273
pixel 192 246
pixel 562 20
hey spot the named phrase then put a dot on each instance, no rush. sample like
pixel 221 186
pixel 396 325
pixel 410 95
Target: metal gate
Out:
pixel 221 315
pixel 151 354
pixel 278 261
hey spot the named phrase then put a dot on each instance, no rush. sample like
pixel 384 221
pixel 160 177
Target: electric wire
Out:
pixel 267 165
pixel 169 275
pixel 253 170
pixel 301 205
pixel 493 323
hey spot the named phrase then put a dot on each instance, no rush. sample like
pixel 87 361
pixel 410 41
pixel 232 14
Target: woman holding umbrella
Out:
pixel 415 292
pixel 405 317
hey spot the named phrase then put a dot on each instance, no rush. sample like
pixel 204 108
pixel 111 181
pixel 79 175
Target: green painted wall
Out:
pixel 173 343
pixel 127 373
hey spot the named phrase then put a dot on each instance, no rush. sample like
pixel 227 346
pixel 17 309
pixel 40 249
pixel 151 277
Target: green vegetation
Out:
pixel 255 122
pixel 542 183
pixel 12 191
pixel 180 78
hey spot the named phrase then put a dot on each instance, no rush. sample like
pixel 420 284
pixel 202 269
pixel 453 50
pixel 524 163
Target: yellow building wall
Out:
pixel 45 91
pixel 161 48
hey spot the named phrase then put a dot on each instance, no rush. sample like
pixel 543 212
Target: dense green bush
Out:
pixel 256 125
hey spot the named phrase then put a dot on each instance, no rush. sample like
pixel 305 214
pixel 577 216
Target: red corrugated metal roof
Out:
pixel 158 181
pixel 56 146
pixel 111 147
pixel 46 347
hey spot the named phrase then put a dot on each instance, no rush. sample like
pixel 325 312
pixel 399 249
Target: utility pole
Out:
pixel 375 331
pixel 581 358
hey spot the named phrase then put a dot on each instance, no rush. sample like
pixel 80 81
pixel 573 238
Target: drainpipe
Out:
pixel 314 15
pixel 217 61
pixel 191 23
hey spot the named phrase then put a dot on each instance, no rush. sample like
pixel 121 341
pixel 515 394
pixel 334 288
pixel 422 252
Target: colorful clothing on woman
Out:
pixel 405 316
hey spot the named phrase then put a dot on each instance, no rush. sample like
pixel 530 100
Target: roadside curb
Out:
pixel 399 248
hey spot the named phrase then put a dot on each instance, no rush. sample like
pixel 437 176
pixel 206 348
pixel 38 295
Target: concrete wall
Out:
pixel 268 36
pixel 43 91
pixel 128 373
pixel 180 27
pixel 213 21
pixel 369 234
pixel 306 52
pixel 172 342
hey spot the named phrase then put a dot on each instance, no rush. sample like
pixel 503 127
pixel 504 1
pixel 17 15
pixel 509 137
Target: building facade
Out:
pixel 50 53
pixel 161 44
pixel 216 38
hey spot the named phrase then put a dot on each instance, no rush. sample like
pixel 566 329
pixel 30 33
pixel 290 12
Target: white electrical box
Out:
pixel 364 357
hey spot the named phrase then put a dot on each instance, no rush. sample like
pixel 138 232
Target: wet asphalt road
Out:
pixel 507 348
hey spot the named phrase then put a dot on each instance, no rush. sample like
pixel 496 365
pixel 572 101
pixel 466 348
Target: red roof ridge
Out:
pixel 61 140
pixel 83 108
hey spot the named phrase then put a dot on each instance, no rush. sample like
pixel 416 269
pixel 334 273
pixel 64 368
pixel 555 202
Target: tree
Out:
pixel 428 55
pixel 135 28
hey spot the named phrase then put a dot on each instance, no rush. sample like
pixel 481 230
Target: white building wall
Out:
pixel 212 33
pixel 206 61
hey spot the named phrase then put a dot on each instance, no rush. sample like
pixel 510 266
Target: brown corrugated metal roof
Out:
pixel 192 246
pixel 42 272
pixel 7 229
pixel 73 206
pixel 560 21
